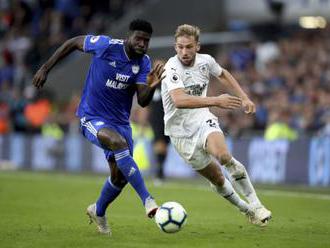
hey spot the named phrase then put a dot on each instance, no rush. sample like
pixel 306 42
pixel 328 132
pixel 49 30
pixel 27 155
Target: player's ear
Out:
pixel 175 47
pixel 198 47
pixel 130 35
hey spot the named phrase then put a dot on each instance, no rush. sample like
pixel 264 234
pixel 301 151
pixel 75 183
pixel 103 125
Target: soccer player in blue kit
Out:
pixel 119 68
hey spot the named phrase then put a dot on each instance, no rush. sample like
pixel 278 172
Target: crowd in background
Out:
pixel 30 31
pixel 288 79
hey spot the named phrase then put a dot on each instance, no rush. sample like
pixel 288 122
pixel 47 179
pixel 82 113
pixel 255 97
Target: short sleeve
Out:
pixel 96 44
pixel 215 68
pixel 173 79
pixel 142 75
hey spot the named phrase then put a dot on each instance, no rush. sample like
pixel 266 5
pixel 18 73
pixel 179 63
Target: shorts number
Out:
pixel 211 123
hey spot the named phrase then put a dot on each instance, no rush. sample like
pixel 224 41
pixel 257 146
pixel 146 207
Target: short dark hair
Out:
pixel 140 25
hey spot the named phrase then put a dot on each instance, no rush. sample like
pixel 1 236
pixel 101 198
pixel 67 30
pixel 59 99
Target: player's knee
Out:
pixel 118 181
pixel 111 140
pixel 225 158
pixel 118 143
pixel 219 181
pixel 117 177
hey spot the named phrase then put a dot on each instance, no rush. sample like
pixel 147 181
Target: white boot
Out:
pixel 151 207
pixel 101 222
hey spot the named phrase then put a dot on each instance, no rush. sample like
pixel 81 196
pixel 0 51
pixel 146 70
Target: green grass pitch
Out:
pixel 48 210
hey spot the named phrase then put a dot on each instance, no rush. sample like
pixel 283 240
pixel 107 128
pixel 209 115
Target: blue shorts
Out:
pixel 89 128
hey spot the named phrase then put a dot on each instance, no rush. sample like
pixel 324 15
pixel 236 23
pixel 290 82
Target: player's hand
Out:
pixel 227 101
pixel 40 78
pixel 248 106
pixel 155 75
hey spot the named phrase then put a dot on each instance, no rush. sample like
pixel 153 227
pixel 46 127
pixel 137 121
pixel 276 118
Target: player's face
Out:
pixel 186 48
pixel 138 42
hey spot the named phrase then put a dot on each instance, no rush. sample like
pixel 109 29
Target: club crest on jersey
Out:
pixel 175 78
pixel 113 64
pixel 187 75
pixel 135 69
pixel 94 39
pixel 203 69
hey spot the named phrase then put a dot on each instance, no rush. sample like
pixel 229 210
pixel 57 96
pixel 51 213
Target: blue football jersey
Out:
pixel 110 83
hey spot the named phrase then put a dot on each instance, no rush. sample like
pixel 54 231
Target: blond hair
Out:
pixel 187 30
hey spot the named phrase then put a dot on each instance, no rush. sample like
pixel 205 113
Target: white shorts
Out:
pixel 192 149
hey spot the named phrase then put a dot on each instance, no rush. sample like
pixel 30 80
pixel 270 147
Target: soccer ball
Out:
pixel 171 217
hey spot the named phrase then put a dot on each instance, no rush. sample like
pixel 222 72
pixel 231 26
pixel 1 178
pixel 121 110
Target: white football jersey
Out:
pixel 194 80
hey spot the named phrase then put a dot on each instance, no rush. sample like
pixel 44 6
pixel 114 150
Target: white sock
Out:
pixel 228 192
pixel 242 184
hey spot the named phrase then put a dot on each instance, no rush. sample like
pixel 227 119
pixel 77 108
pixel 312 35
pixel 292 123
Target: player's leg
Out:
pixel 217 147
pixel 192 150
pixel 160 149
pixel 213 173
pixel 160 141
pixel 111 189
pixel 112 140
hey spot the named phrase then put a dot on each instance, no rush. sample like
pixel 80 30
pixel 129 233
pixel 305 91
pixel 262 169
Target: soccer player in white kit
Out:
pixel 194 130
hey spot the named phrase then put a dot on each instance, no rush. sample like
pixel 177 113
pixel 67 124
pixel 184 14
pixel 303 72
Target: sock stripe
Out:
pixel 240 178
pixel 130 171
pixel 123 152
pixel 122 155
pixel 227 196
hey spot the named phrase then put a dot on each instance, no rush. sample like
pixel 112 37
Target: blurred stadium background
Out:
pixel 278 50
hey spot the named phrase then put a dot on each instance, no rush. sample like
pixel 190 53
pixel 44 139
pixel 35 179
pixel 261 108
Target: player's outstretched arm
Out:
pixel 76 43
pixel 146 92
pixel 182 100
pixel 233 86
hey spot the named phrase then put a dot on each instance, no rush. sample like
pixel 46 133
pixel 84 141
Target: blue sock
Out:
pixel 131 172
pixel 108 194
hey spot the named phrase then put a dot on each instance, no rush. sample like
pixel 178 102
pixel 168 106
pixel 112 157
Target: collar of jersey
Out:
pixel 126 53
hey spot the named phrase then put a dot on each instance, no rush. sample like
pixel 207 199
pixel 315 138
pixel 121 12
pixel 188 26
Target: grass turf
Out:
pixel 48 210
